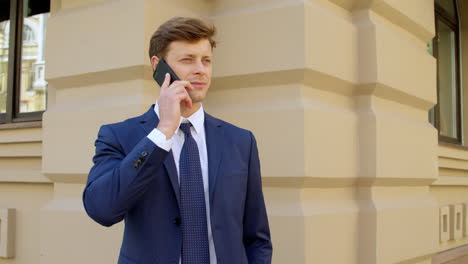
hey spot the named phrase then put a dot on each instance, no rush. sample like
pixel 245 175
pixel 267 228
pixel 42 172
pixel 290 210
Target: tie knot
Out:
pixel 185 127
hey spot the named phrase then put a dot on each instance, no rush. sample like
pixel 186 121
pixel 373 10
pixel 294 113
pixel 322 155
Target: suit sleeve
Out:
pixel 117 180
pixel 257 240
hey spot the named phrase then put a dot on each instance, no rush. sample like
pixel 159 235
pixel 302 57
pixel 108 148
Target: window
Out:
pixel 28 34
pixel 445 48
pixel 22 44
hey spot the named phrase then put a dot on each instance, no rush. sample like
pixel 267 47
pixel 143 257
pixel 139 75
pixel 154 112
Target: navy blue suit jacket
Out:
pixel 136 181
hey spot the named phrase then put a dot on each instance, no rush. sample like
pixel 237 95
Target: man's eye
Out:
pixel 208 61
pixel 186 60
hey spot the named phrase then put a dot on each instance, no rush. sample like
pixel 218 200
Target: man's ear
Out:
pixel 154 62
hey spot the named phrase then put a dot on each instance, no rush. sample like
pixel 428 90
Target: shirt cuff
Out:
pixel 160 140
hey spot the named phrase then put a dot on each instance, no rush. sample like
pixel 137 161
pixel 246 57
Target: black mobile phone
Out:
pixel 160 73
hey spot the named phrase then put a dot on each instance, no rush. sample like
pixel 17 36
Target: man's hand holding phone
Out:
pixel 171 99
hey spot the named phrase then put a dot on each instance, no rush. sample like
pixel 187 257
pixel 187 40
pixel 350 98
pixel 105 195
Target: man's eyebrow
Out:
pixel 193 56
pixel 188 55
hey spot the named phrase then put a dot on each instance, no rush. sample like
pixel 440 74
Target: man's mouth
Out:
pixel 198 85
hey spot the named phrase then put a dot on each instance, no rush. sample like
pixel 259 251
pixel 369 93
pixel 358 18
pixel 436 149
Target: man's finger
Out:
pixel 189 86
pixel 179 90
pixel 167 80
pixel 186 84
pixel 185 98
pixel 188 102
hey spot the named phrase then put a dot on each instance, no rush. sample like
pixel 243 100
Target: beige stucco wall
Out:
pixel 23 188
pixel 451 187
pixel 336 91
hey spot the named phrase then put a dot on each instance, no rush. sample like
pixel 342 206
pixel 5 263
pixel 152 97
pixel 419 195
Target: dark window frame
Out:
pixel 13 114
pixel 454 24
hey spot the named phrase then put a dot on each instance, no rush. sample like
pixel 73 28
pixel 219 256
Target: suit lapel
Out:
pixel 172 171
pixel 149 121
pixel 214 145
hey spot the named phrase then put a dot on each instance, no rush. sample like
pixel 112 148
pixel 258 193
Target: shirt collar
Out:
pixel 197 119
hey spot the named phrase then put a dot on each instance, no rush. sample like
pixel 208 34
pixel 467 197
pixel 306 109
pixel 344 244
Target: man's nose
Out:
pixel 200 67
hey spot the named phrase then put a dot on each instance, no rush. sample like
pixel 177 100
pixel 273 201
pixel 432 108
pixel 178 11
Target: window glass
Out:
pixel 33 84
pixel 430 50
pixel 4 34
pixel 448 6
pixel 446 50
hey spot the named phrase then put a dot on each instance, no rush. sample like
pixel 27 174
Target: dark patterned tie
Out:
pixel 195 248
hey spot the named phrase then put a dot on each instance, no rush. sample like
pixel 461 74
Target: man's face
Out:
pixel 191 61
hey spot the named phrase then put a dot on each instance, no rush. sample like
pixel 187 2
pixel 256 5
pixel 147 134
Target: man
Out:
pixel 188 185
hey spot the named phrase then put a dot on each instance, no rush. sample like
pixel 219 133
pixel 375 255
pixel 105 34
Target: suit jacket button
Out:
pixel 143 154
pixel 177 221
pixel 137 164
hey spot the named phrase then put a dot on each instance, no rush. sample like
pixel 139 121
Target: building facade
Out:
pixel 358 108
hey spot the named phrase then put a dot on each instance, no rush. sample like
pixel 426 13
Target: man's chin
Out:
pixel 196 102
pixel 197 98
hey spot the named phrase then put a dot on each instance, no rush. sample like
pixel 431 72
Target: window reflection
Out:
pixel 33 84
pixel 4 32
pixel 28 34
pixel 447 80
pixel 430 50
pixel 448 6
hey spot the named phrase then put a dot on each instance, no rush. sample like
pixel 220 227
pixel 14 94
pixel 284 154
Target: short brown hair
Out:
pixel 180 28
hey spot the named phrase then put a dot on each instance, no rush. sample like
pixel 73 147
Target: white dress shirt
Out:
pixel 175 143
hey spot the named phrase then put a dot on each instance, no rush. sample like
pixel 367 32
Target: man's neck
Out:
pixel 186 112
